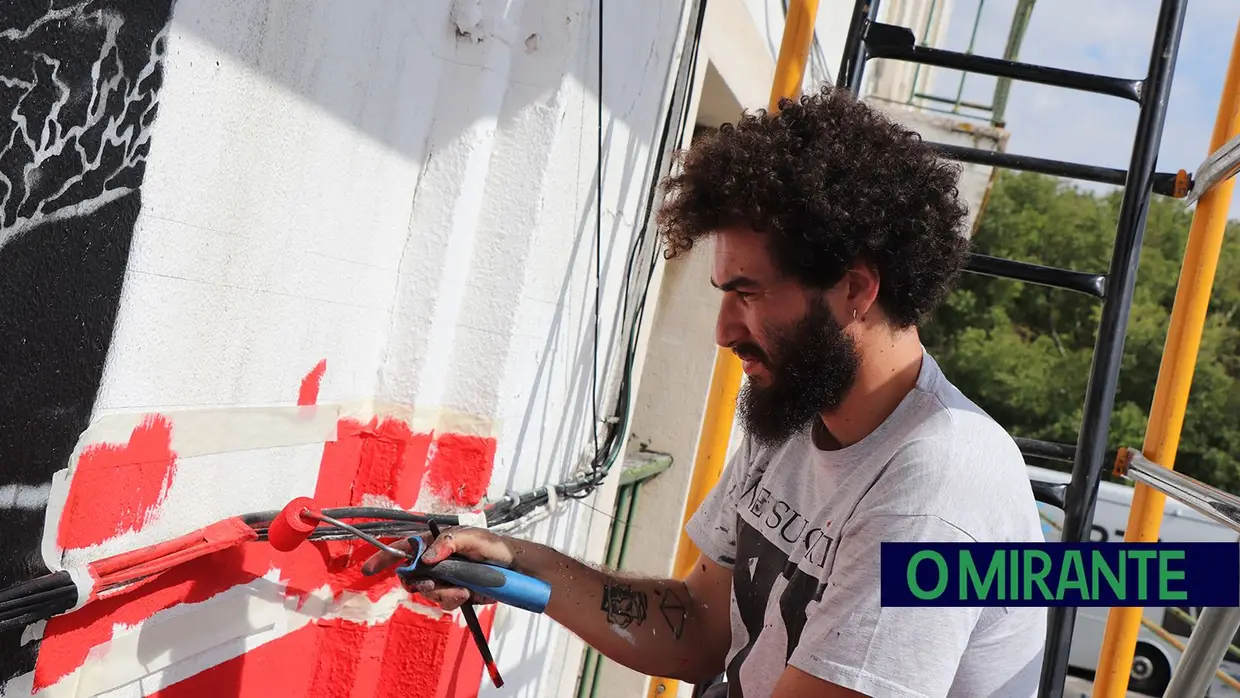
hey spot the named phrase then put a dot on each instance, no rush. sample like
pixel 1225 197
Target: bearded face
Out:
pixel 810 366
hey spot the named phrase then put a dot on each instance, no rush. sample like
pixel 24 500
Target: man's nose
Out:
pixel 729 327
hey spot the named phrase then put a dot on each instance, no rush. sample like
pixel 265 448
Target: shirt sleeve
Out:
pixel 712 527
pixel 851 640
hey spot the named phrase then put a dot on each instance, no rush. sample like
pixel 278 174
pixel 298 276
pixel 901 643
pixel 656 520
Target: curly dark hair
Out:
pixel 831 181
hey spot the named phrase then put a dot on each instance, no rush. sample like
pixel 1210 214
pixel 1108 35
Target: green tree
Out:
pixel 1023 351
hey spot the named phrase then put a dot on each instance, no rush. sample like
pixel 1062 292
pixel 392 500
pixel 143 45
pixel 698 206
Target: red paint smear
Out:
pixel 69 638
pixel 460 470
pixel 116 486
pixel 405 656
pixel 309 393
pixel 146 563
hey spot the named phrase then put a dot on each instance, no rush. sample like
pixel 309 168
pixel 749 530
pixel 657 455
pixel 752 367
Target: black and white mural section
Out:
pixel 79 87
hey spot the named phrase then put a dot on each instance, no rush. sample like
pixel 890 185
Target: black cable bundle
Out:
pixel 36 599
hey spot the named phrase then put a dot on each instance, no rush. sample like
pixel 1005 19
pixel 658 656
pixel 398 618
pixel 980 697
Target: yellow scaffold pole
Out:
pixel 725 381
pixel 1175 377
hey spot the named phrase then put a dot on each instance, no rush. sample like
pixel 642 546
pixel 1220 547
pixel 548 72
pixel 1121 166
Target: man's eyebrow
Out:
pixel 735 283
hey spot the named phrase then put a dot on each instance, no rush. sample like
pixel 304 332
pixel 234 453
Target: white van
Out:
pixel 1155 658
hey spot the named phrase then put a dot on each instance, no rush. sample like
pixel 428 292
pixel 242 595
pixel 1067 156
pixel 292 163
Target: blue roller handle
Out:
pixel 499 583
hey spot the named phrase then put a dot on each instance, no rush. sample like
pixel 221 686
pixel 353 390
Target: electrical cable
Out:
pixel 54 593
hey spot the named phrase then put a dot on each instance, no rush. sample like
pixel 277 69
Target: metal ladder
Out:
pixel 868 39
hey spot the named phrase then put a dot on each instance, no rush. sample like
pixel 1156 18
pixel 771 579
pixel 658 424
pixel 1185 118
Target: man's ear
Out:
pixel 860 287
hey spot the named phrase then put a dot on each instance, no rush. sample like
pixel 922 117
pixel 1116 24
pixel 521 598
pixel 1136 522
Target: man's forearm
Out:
pixel 652 626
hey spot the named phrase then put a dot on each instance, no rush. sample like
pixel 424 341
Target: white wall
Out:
pixel 408 192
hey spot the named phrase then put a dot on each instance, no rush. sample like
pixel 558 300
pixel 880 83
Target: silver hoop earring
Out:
pixel 854 313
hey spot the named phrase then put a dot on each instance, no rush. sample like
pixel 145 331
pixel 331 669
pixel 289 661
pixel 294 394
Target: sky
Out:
pixel 1109 37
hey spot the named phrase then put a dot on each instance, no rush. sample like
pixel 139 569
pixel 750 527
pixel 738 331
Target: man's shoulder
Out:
pixel 947 412
pixel 954 461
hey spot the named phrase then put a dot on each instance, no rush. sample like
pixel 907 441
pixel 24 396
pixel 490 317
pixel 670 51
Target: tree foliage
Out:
pixel 1023 351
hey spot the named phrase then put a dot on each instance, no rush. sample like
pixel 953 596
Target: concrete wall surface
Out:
pixel 257 250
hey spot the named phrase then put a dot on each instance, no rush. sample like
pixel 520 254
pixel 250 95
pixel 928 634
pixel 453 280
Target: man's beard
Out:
pixel 812 365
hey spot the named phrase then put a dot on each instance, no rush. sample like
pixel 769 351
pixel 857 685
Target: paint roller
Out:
pixel 300 517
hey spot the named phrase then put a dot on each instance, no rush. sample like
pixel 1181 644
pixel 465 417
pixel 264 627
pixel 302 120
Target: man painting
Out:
pixel 835 233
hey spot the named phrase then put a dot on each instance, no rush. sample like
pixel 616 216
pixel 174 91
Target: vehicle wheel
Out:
pixel 1150 671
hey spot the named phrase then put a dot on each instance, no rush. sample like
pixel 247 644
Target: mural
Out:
pixel 79 85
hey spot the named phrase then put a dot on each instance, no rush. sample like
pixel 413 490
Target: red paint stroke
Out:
pixel 412 654
pixel 398 658
pixel 460 469
pixel 309 393
pixel 340 654
pixel 462 668
pixel 115 487
pixel 379 458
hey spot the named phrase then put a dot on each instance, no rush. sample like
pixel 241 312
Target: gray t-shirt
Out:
pixel 800 529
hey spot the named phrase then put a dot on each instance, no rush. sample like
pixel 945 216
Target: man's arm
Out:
pixel 661 627
pixel 794 683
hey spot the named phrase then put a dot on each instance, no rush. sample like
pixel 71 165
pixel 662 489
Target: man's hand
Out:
pixel 660 627
pixel 470 543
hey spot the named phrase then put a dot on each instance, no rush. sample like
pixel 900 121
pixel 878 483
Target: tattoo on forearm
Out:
pixel 622 605
pixel 674 612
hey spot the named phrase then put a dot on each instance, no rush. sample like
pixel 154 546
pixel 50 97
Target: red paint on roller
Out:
pixel 309 393
pixel 290 528
pixel 460 469
pixel 116 487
